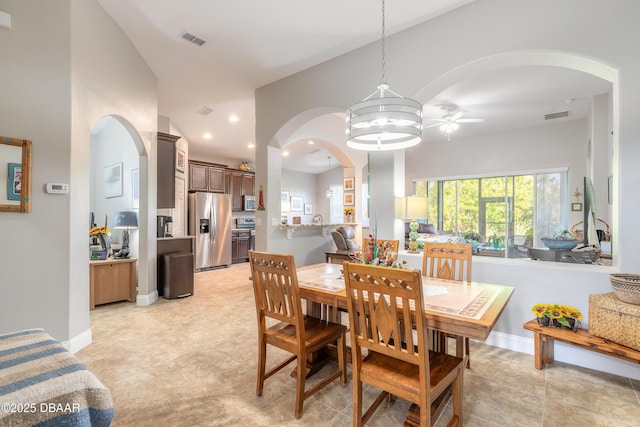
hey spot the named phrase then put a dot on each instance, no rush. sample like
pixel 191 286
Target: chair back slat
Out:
pixel 275 285
pixel 447 261
pixel 383 305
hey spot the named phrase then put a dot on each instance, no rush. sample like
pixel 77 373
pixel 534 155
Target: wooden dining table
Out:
pixel 468 309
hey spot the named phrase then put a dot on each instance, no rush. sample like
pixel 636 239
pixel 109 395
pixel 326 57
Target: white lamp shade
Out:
pixel 125 219
pixel 412 207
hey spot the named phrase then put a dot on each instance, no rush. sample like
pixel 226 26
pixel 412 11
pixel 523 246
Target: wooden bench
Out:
pixel 543 338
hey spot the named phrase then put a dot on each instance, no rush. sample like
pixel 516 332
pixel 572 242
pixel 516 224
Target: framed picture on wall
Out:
pixel 179 160
pixel 349 184
pixel 113 180
pixel 349 198
pixel 576 206
pixel 308 208
pixel 296 204
pixel 284 196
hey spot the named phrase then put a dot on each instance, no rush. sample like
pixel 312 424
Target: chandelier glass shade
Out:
pixel 384 120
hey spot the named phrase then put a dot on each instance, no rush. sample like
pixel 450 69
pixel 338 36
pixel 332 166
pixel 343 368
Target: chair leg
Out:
pixel 342 358
pixel 357 399
pixel 262 361
pixel 456 392
pixel 301 375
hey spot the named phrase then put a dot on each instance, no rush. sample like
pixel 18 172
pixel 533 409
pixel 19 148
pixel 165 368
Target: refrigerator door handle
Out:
pixel 213 230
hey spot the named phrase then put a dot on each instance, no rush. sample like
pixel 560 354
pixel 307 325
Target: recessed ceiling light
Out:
pixel 251 145
pixel 311 142
pixel 233 118
pixel 207 135
pixel 285 153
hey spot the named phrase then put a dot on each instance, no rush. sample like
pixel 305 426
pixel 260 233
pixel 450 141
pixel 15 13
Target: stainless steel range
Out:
pixel 248 224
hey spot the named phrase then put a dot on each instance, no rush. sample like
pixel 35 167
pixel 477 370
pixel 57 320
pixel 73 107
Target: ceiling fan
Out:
pixel 451 119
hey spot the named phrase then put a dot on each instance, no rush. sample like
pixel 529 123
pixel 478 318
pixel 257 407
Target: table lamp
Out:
pixel 413 207
pixel 125 220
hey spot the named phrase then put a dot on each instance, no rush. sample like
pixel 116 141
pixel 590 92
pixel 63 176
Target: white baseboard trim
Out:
pixel 148 299
pixel 568 354
pixel 78 342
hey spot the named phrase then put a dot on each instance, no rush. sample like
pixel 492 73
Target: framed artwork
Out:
pixel 179 160
pixel 349 198
pixel 284 196
pixel 113 181
pixel 349 184
pixel 576 206
pixel 308 208
pixel 296 204
pixel 14 181
pixel 135 189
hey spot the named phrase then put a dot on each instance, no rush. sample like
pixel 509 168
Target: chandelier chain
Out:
pixel 382 75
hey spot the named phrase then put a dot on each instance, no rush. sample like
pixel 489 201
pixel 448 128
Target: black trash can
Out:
pixel 176 279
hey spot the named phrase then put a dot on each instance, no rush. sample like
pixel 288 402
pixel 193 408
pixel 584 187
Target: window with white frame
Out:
pixel 502 215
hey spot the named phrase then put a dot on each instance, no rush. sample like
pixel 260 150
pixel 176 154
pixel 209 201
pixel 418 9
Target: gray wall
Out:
pixel 54 89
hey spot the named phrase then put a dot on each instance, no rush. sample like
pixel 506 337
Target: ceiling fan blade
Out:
pixel 433 125
pixel 437 120
pixel 457 116
pixel 470 120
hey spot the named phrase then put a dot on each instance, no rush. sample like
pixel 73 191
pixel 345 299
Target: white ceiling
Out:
pixel 250 43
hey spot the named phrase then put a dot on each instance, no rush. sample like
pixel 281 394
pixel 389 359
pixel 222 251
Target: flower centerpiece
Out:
pixel 378 253
pixel 559 316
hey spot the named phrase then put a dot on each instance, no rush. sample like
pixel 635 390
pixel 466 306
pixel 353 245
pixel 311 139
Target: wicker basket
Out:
pixel 579 233
pixel 626 287
pixel 614 320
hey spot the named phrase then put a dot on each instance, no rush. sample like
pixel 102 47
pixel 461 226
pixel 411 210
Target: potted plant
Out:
pixel 559 316
pixel 495 241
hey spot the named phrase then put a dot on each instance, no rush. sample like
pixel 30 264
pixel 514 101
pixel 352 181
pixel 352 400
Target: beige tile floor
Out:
pixel 192 362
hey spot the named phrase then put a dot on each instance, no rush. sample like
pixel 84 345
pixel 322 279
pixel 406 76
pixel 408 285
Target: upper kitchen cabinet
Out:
pixel 206 177
pixel 240 183
pixel 166 170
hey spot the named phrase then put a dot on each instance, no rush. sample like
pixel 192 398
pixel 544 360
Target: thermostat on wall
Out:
pixel 53 188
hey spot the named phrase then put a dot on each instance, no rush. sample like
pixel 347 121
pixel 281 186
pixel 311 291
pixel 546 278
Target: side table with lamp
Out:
pixel 114 279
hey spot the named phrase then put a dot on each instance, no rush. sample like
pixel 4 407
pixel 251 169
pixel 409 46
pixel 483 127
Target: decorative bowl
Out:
pixel 565 245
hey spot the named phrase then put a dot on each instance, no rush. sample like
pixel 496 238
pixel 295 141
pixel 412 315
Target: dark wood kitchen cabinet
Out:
pixel 206 177
pixel 166 170
pixel 240 246
pixel 239 184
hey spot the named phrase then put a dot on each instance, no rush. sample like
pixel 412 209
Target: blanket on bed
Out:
pixel 43 384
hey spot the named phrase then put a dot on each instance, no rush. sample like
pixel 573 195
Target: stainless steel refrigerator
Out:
pixel 210 223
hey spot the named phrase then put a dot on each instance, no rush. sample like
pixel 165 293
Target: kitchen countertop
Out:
pixel 176 237
pixel 325 227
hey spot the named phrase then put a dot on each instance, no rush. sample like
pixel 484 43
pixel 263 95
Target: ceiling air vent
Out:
pixel 191 38
pixel 204 111
pixel 559 115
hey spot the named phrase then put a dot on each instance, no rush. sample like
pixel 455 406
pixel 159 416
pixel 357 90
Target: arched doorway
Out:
pixel 116 148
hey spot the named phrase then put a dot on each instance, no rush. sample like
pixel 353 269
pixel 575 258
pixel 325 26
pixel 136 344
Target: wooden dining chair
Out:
pixel 451 262
pixel 275 286
pixel 382 302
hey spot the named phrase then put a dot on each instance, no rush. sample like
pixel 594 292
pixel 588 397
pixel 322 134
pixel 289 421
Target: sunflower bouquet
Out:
pixel 559 316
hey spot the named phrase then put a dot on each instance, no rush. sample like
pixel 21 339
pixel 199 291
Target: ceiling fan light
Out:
pixel 447 128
